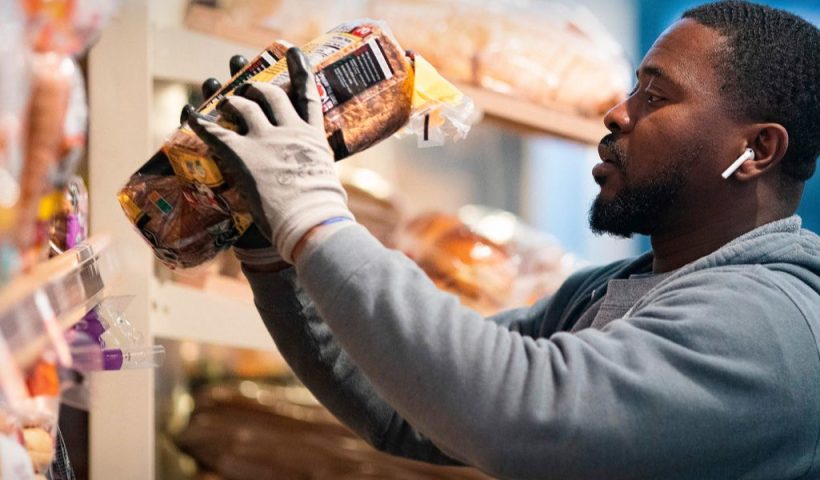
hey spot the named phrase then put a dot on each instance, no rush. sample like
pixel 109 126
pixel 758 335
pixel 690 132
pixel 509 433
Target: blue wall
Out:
pixel 656 16
pixel 557 187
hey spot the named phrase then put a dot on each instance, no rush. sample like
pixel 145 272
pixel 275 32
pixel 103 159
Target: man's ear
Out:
pixel 769 142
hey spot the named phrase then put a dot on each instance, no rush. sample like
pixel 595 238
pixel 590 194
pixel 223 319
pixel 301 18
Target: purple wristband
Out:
pixel 333 220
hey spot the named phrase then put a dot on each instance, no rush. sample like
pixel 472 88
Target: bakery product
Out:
pixel 479 271
pixel 366 88
pixel 374 203
pixel 461 261
pixel 366 85
pixel 40 446
pixel 422 232
pixel 450 35
pixel 546 54
pixel 282 432
pixel 183 222
pixel 51 86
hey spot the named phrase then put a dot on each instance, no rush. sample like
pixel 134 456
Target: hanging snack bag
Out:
pixel 369 91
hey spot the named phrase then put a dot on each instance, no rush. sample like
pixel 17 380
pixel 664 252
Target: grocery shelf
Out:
pixel 178 312
pixel 188 56
pixel 531 116
pixel 148 43
pixel 54 295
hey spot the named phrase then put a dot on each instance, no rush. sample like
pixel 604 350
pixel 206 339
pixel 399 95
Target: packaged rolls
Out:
pixel 369 91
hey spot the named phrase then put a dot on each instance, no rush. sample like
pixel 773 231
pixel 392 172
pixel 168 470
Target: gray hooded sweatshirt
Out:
pixel 712 374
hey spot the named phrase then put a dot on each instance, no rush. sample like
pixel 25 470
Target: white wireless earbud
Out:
pixel 749 154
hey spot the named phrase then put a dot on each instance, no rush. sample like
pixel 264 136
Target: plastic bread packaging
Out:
pixel 185 223
pixel 75 129
pixel 15 462
pixel 542 263
pixel 461 261
pixel 15 76
pixel 32 413
pixel 370 89
pixel 36 416
pixel 43 113
pixel 283 429
pixel 52 79
pixel 66 26
pixel 558 56
pixel 488 257
pixel 423 26
pixel 572 63
pixel 68 226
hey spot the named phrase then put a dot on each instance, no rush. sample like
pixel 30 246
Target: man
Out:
pixel 696 360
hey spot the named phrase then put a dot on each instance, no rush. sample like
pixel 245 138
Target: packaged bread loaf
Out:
pixel 180 220
pixel 461 261
pixel 369 91
pixel 566 69
pixel 162 199
pixel 426 25
pixel 51 88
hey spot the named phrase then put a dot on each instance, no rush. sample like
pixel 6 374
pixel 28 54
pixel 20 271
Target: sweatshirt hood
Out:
pixel 782 245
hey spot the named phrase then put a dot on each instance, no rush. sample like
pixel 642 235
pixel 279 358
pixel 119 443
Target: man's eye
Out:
pixel 652 99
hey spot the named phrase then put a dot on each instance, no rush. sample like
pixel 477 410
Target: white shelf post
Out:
pixel 122 403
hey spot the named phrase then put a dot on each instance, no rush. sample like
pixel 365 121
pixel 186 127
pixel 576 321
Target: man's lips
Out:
pixel 610 163
pixel 606 154
pixel 602 170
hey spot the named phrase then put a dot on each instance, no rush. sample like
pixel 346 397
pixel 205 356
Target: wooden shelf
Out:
pixel 188 56
pixel 536 118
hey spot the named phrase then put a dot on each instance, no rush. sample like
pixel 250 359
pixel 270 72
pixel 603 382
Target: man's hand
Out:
pixel 211 85
pixel 281 160
pixel 252 248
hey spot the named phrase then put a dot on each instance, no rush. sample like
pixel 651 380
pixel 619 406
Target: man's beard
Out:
pixel 641 208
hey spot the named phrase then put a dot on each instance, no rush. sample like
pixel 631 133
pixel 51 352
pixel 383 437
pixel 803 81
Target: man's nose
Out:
pixel 617 119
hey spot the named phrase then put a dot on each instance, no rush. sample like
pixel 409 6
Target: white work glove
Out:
pixel 252 248
pixel 279 159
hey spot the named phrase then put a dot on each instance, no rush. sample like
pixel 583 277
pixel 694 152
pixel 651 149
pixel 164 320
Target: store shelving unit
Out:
pixel 231 320
pixel 146 45
pixel 174 304
pixel 121 429
pixel 499 107
pixel 495 106
pixel 52 297
pixel 531 117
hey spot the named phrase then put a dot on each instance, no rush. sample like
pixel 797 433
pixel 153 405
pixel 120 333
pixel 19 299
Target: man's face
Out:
pixel 663 159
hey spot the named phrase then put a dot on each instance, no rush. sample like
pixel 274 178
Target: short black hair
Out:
pixel 771 71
